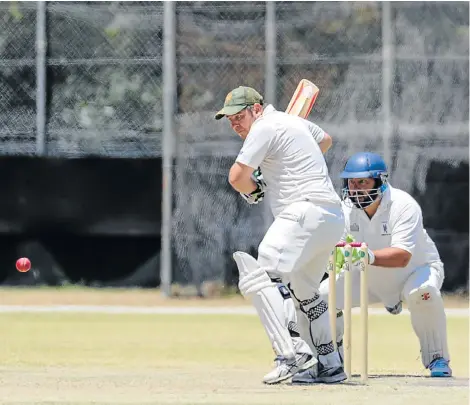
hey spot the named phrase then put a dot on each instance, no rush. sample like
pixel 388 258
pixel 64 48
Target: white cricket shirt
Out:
pixel 397 223
pixel 286 148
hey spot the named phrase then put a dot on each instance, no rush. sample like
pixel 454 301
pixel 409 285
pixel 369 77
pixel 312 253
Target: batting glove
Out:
pixel 257 195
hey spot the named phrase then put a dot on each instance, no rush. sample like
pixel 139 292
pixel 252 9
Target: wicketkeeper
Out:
pixel 404 264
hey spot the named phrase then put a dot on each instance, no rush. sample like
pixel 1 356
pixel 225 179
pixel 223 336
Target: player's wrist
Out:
pixel 258 180
pixel 371 256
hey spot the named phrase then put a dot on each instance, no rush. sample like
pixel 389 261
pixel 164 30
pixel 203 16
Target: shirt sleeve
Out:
pixel 317 133
pixel 344 235
pixel 347 224
pixel 406 228
pixel 256 145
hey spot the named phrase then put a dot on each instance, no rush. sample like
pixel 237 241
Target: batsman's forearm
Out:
pixel 391 257
pixel 244 185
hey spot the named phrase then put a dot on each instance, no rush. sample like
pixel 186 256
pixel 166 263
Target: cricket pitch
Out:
pixel 88 358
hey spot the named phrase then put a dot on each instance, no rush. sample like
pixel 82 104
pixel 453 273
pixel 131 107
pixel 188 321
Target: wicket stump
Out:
pixel 347 268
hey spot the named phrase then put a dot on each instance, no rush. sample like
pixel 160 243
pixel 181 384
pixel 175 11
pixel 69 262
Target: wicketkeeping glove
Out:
pixel 257 195
pixel 340 259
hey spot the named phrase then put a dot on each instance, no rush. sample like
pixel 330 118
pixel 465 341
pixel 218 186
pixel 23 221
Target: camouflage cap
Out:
pixel 238 99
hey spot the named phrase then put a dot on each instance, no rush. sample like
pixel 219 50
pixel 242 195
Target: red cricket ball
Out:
pixel 23 264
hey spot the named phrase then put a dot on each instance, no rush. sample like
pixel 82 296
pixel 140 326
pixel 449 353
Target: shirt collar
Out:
pixel 385 200
pixel 268 109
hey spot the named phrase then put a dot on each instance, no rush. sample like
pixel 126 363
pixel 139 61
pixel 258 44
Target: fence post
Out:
pixel 41 142
pixel 387 82
pixel 270 75
pixel 169 99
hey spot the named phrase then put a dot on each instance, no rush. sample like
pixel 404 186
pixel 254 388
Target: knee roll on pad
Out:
pixel 252 277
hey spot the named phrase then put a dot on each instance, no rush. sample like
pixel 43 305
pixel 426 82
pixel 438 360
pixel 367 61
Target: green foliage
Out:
pixel 15 11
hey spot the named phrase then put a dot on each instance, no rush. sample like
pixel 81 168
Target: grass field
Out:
pixel 86 358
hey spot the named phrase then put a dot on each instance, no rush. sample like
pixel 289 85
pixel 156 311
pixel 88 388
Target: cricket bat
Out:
pixel 303 99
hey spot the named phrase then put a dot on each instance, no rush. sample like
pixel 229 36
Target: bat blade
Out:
pixel 303 99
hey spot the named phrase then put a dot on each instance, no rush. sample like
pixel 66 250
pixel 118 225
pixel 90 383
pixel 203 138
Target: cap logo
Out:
pixel 228 98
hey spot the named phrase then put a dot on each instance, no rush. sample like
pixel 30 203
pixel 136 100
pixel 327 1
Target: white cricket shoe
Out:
pixel 320 374
pixel 329 370
pixel 286 369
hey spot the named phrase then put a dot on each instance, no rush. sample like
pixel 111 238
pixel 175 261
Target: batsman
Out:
pixel 308 221
pixel 404 263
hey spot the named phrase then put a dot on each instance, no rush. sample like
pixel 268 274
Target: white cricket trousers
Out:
pixel 424 276
pixel 420 291
pixel 296 249
pixel 297 245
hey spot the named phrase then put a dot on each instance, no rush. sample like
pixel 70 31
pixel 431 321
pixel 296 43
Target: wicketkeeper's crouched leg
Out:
pixel 422 294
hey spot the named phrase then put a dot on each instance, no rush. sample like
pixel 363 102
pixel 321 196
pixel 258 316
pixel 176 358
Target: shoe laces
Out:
pixel 440 362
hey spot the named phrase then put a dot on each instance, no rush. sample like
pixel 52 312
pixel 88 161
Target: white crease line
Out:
pixel 111 309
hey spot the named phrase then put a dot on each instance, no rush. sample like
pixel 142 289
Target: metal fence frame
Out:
pixel 270 93
pixel 388 59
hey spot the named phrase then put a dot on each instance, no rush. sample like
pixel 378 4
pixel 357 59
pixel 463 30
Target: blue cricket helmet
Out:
pixel 364 165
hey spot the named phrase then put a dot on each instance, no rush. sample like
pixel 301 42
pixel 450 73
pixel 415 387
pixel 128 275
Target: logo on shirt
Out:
pixel 384 228
pixel 354 227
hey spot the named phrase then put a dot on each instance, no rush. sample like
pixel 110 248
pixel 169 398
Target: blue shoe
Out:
pixel 440 368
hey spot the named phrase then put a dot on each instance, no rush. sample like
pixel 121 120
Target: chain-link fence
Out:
pixel 17 78
pixel 104 78
pixel 393 78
